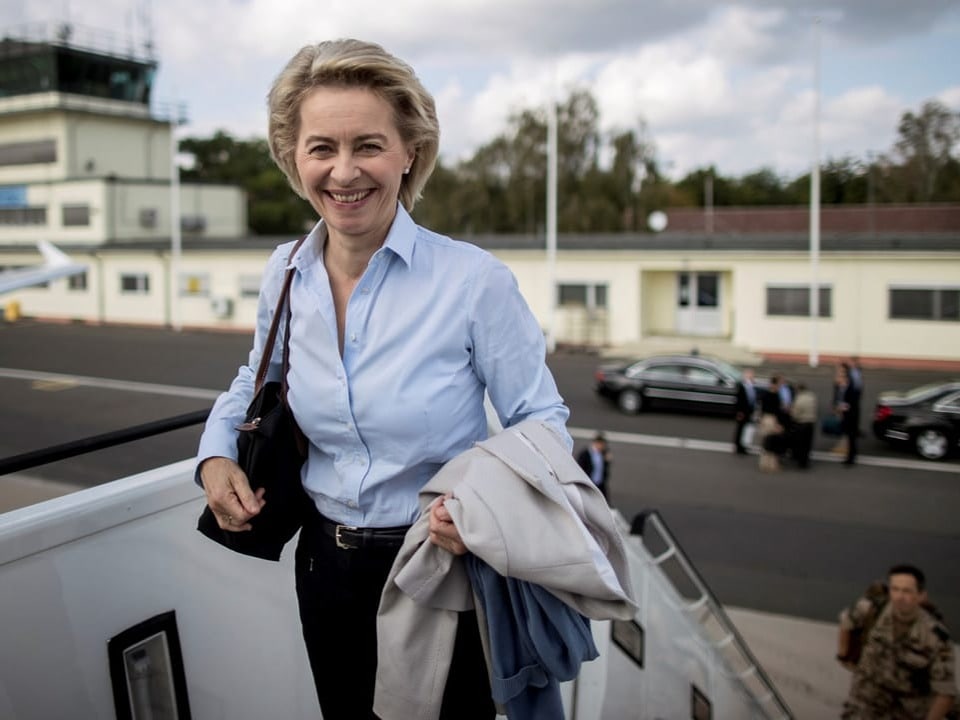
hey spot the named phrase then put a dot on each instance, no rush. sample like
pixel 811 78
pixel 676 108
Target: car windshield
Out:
pixel 729 369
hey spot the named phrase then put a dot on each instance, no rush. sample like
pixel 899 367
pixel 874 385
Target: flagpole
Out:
pixel 815 203
pixel 552 221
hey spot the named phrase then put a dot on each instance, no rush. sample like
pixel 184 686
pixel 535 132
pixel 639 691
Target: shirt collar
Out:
pixel 401 237
pixel 400 240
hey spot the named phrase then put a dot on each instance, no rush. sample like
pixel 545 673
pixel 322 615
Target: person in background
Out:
pixel 856 379
pixel 906 664
pixel 803 414
pixel 849 410
pixel 396 334
pixel 786 397
pixel 856 373
pixel 595 462
pixel 771 426
pixel 745 406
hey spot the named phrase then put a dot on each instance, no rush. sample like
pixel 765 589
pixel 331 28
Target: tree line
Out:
pixel 606 182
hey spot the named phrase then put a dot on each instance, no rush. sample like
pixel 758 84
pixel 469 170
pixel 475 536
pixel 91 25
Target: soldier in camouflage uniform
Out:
pixel 906 669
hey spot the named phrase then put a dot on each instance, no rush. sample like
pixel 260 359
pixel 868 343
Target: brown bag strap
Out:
pixel 267 353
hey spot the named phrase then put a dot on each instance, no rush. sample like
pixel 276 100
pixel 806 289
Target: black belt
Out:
pixel 349 537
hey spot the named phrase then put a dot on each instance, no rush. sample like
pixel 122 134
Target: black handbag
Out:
pixel 831 424
pixel 271 450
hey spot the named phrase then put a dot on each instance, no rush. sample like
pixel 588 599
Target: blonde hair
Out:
pixel 354 63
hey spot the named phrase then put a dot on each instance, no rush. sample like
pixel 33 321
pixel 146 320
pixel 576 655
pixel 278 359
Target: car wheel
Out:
pixel 932 444
pixel 630 402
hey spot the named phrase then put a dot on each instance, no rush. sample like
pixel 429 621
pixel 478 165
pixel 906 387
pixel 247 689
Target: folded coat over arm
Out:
pixel 523 506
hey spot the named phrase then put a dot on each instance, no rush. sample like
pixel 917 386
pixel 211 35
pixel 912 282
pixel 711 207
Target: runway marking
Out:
pixel 49 381
pixel 53 385
pixel 61 381
pixel 681 443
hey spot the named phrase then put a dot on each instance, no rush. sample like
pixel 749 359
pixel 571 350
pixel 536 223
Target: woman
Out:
pixel 396 332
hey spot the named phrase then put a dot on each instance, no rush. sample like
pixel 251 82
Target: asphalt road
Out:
pixel 798 543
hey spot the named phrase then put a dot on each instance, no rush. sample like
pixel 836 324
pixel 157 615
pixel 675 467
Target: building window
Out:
pixel 23 216
pixel 148 217
pixel 576 295
pixel 77 282
pixel 193 223
pixel 794 301
pixel 76 215
pixel 249 286
pixel 910 303
pixel 28 153
pixel 194 285
pixel 135 283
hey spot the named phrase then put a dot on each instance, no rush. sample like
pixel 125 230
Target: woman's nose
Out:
pixel 345 168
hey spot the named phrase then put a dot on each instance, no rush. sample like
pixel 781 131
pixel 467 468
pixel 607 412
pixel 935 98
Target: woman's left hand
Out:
pixel 443 533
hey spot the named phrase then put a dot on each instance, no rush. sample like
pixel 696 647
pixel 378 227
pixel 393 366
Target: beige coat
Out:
pixel 522 505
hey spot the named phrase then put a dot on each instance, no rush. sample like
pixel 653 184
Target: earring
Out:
pixel 406 171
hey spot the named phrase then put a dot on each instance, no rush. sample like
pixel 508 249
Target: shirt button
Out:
pixel 353 337
pixel 351 504
pixel 365 291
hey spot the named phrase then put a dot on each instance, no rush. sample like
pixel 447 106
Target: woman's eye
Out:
pixel 369 148
pixel 320 150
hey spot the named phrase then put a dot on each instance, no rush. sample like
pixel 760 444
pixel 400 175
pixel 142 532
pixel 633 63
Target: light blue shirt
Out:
pixel 786 397
pixel 431 324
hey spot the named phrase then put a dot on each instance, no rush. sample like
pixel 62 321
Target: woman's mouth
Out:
pixel 349 197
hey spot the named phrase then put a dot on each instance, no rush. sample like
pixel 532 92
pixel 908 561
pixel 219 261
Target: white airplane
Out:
pixel 56 264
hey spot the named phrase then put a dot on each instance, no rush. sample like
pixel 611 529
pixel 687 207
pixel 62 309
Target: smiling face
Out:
pixel 350 159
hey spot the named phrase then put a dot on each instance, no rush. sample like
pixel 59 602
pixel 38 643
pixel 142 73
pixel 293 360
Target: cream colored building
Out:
pixel 881 303
pixel 897 298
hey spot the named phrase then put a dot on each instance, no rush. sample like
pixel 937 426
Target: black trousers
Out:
pixel 852 434
pixel 802 443
pixel 339 591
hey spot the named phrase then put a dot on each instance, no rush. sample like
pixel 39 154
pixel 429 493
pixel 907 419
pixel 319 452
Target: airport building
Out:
pixel 86 163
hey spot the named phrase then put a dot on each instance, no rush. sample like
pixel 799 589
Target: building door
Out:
pixel 698 303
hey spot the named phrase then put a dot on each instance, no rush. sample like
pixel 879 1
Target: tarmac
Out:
pixel 797 654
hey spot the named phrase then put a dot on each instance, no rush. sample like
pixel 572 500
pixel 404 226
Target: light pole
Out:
pixel 178 117
pixel 815 202
pixel 552 222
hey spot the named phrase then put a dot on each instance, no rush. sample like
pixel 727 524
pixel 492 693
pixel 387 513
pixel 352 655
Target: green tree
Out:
pixel 925 146
pixel 272 206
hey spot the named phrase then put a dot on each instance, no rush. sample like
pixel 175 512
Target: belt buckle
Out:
pixel 336 536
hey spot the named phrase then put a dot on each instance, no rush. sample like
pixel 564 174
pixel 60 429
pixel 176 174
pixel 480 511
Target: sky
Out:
pixel 728 84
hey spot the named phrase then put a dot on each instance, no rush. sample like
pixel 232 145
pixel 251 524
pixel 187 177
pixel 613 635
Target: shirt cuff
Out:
pixel 218 440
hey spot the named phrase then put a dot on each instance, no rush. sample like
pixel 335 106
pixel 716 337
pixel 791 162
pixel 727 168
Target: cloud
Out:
pixel 725 84
pixel 951 97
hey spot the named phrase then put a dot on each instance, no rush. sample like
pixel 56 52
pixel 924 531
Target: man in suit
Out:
pixel 746 403
pixel 850 412
pixel 595 462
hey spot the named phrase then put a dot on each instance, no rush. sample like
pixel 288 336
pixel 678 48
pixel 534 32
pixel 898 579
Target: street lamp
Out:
pixel 177 115
pixel 552 222
pixel 815 202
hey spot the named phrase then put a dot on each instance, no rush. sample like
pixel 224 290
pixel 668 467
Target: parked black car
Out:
pixel 926 419
pixel 678 382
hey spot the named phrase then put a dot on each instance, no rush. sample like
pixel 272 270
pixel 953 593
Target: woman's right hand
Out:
pixel 229 495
